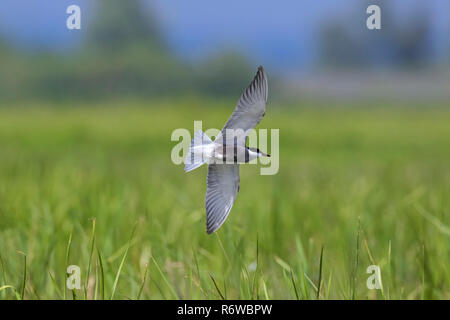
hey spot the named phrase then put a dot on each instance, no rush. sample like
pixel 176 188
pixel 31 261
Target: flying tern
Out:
pixel 227 151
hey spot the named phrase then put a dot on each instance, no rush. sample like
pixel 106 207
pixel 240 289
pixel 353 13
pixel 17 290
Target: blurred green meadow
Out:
pixel 93 185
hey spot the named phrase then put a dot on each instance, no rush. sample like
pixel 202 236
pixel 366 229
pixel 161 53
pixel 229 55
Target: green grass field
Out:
pixel 367 185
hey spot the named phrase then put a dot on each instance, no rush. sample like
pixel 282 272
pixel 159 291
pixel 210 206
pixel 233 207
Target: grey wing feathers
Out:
pixel 251 106
pixel 222 188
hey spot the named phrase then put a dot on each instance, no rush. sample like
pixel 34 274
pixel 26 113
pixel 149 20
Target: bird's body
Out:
pixel 227 151
pixel 217 153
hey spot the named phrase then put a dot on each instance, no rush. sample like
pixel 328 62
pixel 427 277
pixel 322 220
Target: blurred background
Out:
pixel 312 49
pixel 86 118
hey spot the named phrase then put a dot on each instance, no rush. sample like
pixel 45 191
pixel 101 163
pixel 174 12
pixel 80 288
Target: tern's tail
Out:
pixel 198 151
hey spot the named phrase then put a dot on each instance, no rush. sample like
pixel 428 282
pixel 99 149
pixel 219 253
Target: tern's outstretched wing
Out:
pixel 223 186
pixel 251 106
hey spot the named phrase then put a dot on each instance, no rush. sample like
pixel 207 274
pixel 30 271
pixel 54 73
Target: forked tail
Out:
pixel 196 155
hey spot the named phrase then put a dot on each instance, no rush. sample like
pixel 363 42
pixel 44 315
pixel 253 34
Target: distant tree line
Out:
pixel 345 43
pixel 124 54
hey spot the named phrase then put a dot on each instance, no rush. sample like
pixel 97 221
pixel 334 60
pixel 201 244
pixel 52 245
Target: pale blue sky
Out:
pixel 279 33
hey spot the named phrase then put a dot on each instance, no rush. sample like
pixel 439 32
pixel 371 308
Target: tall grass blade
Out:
pixel 116 280
pixel 305 286
pixel 320 274
pixel 372 261
pixel 174 293
pixel 355 271
pixel 329 285
pixel 6 287
pixel 223 249
pixel 293 284
pixel 433 220
pixel 390 272
pixel 96 281
pixel 102 275
pixel 266 294
pixel 86 283
pixel 217 288
pixel 143 282
pixel 24 278
pixel 55 285
pixel 69 244
pixel 3 271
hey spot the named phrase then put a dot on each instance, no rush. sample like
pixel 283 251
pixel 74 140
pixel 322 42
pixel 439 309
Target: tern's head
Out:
pixel 259 152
